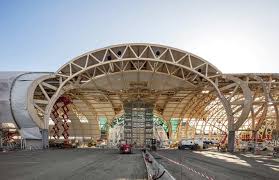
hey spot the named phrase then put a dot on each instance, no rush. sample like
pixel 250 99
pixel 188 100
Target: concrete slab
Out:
pixel 72 164
pixel 196 165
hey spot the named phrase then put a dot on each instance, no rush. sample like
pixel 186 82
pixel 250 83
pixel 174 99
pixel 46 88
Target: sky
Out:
pixel 238 36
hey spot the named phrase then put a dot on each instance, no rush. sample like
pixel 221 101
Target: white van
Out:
pixel 186 144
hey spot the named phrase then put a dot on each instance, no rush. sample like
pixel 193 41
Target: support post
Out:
pixel 45 138
pixel 254 138
pixel 231 139
pixel 1 139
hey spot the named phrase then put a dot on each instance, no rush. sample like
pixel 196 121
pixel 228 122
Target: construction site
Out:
pixel 139 111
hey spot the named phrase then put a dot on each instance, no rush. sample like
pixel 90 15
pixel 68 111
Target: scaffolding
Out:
pixel 138 129
pixel 60 110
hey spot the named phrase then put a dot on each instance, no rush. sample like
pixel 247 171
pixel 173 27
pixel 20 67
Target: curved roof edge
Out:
pixel 138 44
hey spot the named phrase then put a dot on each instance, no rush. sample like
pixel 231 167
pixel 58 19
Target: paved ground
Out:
pixel 214 165
pixel 72 164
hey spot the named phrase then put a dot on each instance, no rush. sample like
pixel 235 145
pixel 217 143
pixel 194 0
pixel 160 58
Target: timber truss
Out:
pixel 191 89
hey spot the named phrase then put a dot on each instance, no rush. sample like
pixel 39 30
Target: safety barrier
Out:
pixel 154 169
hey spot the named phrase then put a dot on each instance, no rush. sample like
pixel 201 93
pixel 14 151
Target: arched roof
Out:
pixel 179 83
pixel 138 51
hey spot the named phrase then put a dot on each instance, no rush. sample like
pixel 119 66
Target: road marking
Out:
pixel 21 162
pixel 186 167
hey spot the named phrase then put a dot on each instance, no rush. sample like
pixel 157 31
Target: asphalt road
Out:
pixel 71 164
pixel 202 165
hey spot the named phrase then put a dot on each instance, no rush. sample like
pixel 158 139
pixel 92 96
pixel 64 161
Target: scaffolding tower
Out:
pixel 138 129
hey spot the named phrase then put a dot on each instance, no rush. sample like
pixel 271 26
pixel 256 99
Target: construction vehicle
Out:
pixel 174 145
pixel 92 143
pixel 124 147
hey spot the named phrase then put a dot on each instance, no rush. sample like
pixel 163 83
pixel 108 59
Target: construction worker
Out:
pixel 218 146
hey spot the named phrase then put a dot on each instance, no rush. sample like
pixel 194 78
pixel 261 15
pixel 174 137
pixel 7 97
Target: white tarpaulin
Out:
pixel 14 88
pixel 6 82
pixel 19 99
pixel 30 133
